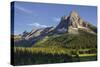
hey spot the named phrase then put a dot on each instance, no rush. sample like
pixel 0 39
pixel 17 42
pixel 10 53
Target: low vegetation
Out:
pixel 43 55
pixel 72 41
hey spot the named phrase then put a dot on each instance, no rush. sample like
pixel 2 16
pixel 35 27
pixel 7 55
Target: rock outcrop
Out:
pixel 71 23
pixel 39 33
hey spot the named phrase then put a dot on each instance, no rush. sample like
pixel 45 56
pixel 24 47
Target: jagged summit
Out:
pixel 73 13
pixel 76 21
pixel 71 23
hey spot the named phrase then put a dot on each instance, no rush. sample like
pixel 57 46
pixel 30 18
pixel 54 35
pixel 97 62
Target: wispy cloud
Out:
pixel 37 25
pixel 23 9
pixel 56 19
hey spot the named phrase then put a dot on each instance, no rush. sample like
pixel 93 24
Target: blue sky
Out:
pixel 37 15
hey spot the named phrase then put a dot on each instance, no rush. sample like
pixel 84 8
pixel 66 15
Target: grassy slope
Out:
pixel 82 40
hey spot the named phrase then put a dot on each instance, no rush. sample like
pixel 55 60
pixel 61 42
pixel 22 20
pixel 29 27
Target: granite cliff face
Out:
pixel 75 21
pixel 72 23
pixel 39 33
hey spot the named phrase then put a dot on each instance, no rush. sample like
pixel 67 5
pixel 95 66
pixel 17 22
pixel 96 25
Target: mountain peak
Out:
pixel 72 23
pixel 73 13
pixel 74 19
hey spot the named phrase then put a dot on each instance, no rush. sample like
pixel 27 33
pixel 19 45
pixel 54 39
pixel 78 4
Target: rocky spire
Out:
pixel 73 14
pixel 73 21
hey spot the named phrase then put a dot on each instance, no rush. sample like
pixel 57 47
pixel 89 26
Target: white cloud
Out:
pixel 23 9
pixel 37 25
pixel 57 19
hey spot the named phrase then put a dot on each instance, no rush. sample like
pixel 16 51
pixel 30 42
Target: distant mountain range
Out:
pixel 70 27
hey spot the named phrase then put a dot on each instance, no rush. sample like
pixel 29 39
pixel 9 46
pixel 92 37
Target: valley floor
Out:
pixel 47 55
